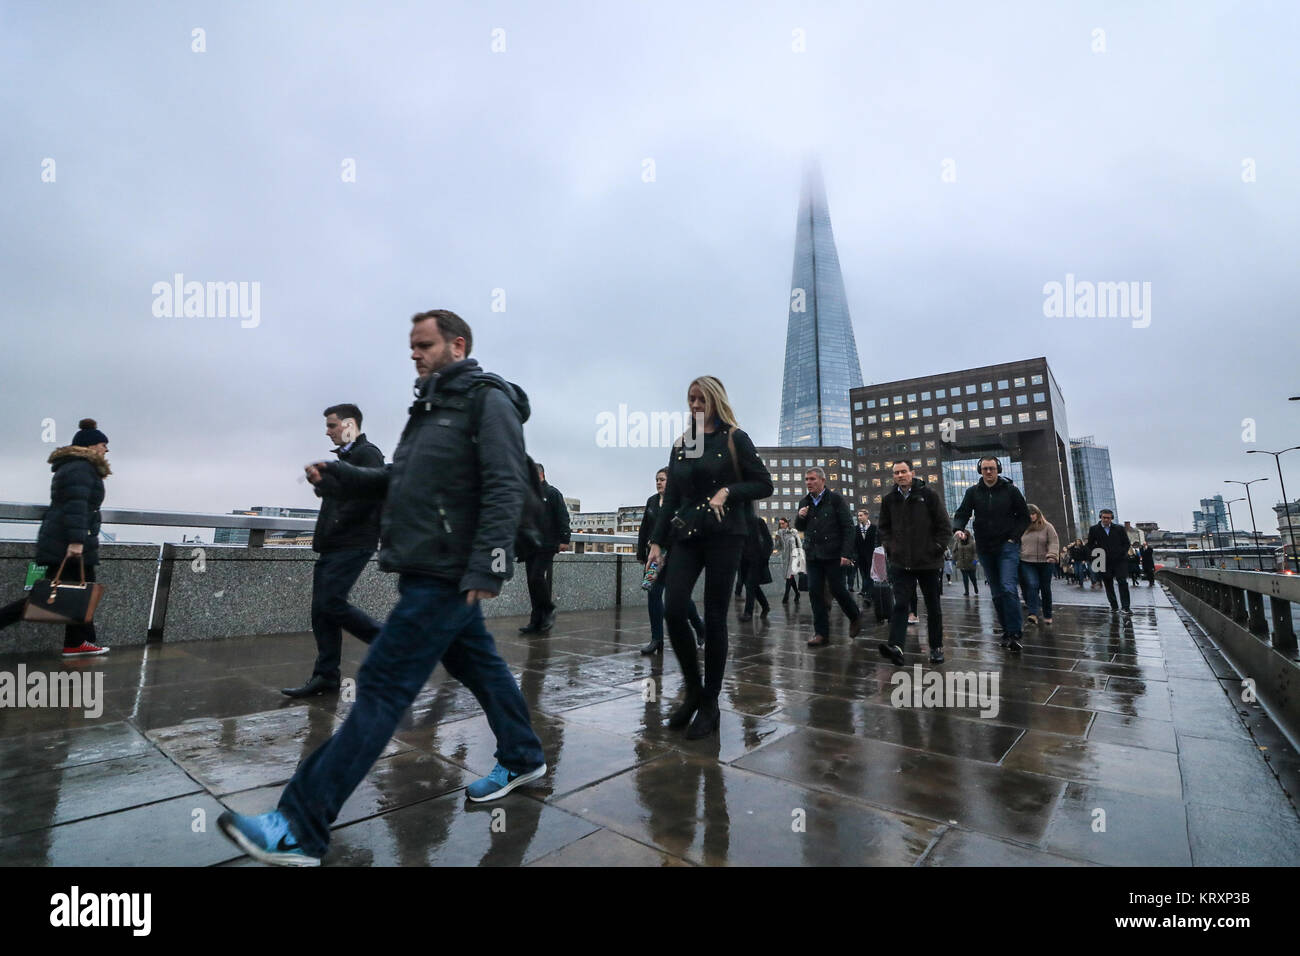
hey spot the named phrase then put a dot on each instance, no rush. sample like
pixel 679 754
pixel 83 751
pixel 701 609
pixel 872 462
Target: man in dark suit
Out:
pixel 827 525
pixel 347 533
pixel 555 532
pixel 865 537
pixel 1108 546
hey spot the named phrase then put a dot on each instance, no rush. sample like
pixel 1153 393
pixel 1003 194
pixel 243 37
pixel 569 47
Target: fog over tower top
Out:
pixel 821 355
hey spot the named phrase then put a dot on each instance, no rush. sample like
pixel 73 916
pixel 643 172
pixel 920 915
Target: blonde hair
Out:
pixel 715 399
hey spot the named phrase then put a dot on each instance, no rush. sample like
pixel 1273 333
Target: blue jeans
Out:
pixel 1082 571
pixel 332 578
pixel 1002 572
pixel 431 622
pixel 1037 582
pixel 655 601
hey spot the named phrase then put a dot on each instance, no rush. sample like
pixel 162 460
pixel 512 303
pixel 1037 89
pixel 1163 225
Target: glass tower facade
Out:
pixel 959 474
pixel 821 355
pixel 1094 488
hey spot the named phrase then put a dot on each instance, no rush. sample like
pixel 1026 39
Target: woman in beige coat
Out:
pixel 1039 548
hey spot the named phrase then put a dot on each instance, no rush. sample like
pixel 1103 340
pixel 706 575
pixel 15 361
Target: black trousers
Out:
pixel 332 578
pixel 791 584
pixel 828 573
pixel 905 583
pixel 1109 580
pixel 753 589
pixel 539 584
pixel 968 580
pixel 718 557
pixel 74 635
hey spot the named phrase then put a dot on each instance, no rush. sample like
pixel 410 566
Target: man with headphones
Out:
pixel 1001 517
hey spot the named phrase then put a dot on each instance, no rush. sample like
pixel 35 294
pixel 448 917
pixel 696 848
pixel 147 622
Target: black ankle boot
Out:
pixel 706 719
pixel 683 714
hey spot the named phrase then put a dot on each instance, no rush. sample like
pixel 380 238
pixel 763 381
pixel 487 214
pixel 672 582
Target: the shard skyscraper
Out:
pixel 821 356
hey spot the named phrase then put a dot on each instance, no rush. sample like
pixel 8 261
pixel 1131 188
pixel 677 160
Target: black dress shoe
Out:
pixel 528 629
pixel 746 617
pixel 855 626
pixel 683 714
pixel 706 719
pixel 548 622
pixel 1013 645
pixel 893 652
pixel 936 655
pixel 765 611
pixel 654 647
pixel 314 687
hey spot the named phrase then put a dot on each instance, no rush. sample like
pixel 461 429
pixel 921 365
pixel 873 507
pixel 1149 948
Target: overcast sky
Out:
pixel 525 170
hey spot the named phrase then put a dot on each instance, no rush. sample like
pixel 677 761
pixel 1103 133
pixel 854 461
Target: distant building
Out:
pixel 1094 486
pixel 595 522
pixel 787 465
pixel 1212 520
pixel 945 423
pixel 573 504
pixel 280 538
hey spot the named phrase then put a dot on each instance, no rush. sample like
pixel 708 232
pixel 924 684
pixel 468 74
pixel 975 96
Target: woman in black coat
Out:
pixel 70 528
pixel 713 475
pixel 656 592
pixel 758 551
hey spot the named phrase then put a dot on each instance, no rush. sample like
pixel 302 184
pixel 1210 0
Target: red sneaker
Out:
pixel 86 649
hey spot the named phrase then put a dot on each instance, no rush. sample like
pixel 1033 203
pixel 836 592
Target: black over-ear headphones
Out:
pixel 994 460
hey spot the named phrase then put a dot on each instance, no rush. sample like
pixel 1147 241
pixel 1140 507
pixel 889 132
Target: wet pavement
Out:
pixel 1111 742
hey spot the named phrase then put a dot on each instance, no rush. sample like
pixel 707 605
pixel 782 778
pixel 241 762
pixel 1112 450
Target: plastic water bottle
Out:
pixel 651 574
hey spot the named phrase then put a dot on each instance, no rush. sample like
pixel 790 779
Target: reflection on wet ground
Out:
pixel 1112 742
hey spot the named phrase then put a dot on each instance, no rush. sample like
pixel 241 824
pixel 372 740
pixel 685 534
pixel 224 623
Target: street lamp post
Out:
pixel 1286 505
pixel 1231 531
pixel 1250 504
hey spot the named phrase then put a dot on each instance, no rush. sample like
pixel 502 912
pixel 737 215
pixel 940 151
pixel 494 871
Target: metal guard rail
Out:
pixel 1240 595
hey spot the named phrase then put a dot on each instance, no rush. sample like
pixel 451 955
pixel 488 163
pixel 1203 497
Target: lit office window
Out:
pixel 1020 383
pixel 929 428
pixel 911 398
pixel 1036 380
pixel 990 422
pixel 911 413
pixel 1040 416
pixel 929 446
pixel 1022 417
pixel 1006 419
pixel 974 423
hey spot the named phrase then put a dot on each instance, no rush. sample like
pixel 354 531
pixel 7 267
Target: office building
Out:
pixel 1094 486
pixel 945 423
pixel 787 466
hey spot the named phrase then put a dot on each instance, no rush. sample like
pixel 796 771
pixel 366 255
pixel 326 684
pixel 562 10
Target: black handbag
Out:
pixel 53 602
pixel 803 580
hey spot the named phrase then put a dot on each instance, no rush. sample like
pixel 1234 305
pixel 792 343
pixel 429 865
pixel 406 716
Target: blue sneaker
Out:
pixel 266 838
pixel 500 782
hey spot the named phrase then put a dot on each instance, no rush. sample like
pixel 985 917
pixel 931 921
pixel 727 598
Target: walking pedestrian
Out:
pixel 827 525
pixel 69 532
pixel 709 489
pixel 865 541
pixel 1110 543
pixel 787 542
pixel 453 496
pixel 655 596
pixel 758 551
pixel 346 535
pixel 540 563
pixel 1039 548
pixel 1001 517
pixel 1148 556
pixel 963 552
pixel 914 530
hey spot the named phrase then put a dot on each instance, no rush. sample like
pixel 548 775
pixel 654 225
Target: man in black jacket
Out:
pixel 1148 558
pixel 827 524
pixel 539 563
pixel 453 496
pixel 914 530
pixel 347 532
pixel 1108 546
pixel 1001 517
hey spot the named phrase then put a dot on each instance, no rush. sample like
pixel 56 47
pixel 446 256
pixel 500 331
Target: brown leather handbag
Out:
pixel 53 602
